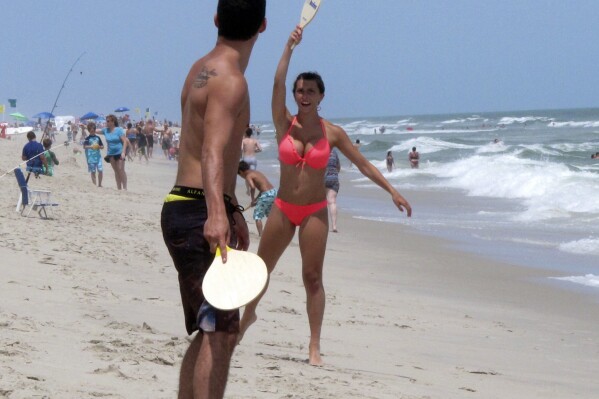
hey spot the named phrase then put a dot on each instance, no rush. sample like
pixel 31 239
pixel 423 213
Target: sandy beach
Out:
pixel 90 307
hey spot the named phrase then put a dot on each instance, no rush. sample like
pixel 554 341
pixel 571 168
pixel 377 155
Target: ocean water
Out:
pixel 530 199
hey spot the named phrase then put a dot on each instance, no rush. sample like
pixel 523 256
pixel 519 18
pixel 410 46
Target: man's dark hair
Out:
pixel 30 135
pixel 243 166
pixel 240 19
pixel 249 131
pixel 314 76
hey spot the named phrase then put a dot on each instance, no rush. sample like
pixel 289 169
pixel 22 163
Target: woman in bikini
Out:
pixel 305 141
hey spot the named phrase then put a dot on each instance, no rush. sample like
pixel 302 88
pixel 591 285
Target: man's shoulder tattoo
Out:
pixel 202 79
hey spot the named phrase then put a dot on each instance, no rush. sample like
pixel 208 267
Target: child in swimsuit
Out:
pixel 304 151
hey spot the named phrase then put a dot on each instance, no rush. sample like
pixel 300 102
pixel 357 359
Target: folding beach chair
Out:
pixel 32 198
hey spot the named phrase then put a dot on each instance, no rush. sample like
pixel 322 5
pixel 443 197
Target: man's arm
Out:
pixel 227 99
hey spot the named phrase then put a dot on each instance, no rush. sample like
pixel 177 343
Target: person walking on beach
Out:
pixel 142 144
pixel 266 193
pixel 148 130
pixel 305 141
pixel 201 212
pixel 116 142
pixel 390 161
pixel 132 137
pixel 414 158
pixel 166 141
pixel 331 183
pixel 92 145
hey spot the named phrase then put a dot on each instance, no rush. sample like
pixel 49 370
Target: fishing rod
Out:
pixel 66 143
pixel 58 96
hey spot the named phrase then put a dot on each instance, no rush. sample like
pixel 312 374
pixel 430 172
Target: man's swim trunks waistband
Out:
pixel 182 193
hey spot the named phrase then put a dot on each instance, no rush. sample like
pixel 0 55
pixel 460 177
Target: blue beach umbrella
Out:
pixel 121 109
pixel 89 115
pixel 43 115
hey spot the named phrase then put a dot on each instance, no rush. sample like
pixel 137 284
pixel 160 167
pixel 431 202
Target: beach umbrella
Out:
pixel 19 116
pixel 121 109
pixel 43 115
pixel 89 115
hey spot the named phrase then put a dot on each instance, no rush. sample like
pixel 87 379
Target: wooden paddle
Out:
pixel 308 12
pixel 236 283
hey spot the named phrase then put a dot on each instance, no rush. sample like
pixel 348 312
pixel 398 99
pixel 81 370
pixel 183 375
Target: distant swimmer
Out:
pixel 414 158
pixel 390 161
pixel 595 155
pixel 382 129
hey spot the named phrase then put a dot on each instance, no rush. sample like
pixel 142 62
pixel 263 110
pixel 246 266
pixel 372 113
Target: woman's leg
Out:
pixel 277 234
pixel 123 173
pixel 117 175
pixel 313 241
pixel 332 206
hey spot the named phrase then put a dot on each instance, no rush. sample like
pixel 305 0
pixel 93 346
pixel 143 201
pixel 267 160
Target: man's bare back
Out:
pixel 215 87
pixel 258 180
pixel 250 147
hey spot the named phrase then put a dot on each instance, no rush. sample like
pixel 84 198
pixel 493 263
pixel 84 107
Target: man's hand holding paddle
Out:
pixel 218 233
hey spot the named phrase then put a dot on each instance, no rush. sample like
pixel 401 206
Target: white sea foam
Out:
pixel 588 246
pixel 548 190
pixel 509 120
pixel 589 280
pixel 539 149
pixel 428 145
pixel 492 148
pixel 583 124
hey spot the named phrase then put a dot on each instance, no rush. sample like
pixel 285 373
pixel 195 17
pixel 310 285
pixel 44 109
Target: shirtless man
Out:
pixel 266 193
pixel 249 147
pixel 148 130
pixel 201 210
pixel 414 158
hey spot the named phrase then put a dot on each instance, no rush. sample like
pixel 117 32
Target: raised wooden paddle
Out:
pixel 308 12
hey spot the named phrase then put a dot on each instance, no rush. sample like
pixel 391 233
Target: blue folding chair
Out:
pixel 32 198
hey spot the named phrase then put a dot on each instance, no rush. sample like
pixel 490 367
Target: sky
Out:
pixel 377 57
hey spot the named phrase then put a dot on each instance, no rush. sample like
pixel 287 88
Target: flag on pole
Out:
pixel 13 102
pixel 1 108
pixel 148 113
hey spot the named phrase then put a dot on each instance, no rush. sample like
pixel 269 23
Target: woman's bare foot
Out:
pixel 315 359
pixel 247 320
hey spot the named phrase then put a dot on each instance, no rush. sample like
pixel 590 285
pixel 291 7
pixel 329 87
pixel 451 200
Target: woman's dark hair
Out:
pixel 240 19
pixel 314 76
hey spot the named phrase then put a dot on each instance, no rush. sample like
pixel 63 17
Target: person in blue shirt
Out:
pixel 93 144
pixel 117 143
pixel 31 153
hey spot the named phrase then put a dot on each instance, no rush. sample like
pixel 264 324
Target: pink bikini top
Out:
pixel 316 157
